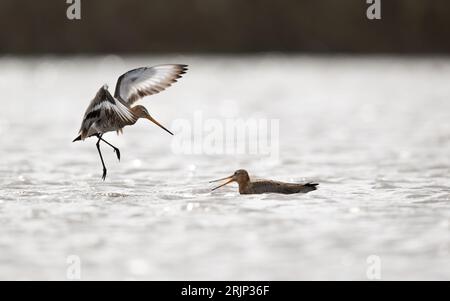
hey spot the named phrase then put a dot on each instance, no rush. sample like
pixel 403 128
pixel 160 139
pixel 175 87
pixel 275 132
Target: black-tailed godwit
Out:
pixel 106 113
pixel 247 186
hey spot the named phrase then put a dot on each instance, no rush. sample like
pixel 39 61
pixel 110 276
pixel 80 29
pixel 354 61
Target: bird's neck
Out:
pixel 136 115
pixel 244 186
pixel 131 122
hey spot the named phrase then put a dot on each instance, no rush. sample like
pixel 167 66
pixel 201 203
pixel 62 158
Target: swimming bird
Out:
pixel 247 186
pixel 108 113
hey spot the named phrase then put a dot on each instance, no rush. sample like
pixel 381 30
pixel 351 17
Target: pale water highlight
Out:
pixel 374 132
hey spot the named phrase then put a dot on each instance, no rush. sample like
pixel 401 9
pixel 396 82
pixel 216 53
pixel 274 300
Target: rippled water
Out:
pixel 374 132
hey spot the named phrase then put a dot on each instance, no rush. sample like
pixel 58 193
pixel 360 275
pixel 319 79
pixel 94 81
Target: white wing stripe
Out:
pixel 118 107
pixel 141 82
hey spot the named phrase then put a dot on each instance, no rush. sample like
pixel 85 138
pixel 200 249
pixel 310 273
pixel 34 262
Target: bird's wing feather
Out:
pixel 141 82
pixel 105 112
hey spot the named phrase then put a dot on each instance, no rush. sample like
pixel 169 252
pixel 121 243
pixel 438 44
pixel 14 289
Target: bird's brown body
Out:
pixel 268 186
pixel 247 186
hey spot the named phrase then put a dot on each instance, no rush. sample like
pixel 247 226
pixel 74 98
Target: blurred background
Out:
pixel 224 26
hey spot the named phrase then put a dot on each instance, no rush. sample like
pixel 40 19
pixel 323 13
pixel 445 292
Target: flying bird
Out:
pixel 107 113
pixel 247 186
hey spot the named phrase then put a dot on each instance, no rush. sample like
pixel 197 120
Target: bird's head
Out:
pixel 141 112
pixel 240 176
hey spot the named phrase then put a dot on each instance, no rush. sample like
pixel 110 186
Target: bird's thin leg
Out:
pixel 101 158
pixel 116 150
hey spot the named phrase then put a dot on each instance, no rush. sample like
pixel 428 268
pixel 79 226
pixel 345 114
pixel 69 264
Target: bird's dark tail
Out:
pixel 310 186
pixel 77 139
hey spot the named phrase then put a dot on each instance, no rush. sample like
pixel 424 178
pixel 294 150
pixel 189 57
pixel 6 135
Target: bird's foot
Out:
pixel 104 174
pixel 117 151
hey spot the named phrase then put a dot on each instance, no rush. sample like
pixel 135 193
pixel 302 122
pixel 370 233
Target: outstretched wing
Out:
pixel 141 82
pixel 104 114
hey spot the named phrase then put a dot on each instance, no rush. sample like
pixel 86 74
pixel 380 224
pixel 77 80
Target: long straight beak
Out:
pixel 226 178
pixel 159 124
pixel 230 179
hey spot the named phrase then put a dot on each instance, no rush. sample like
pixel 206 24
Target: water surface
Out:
pixel 374 132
